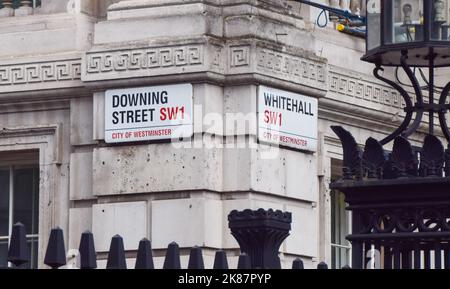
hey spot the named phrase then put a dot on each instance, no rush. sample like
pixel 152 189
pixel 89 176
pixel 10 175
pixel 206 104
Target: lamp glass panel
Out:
pixel 373 23
pixel 440 20
pixel 407 21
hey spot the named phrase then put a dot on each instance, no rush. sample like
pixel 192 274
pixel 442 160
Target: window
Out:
pixel 340 228
pixel 340 223
pixel 19 202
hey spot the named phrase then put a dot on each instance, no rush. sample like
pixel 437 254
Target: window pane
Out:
pixel 339 230
pixel 407 24
pixel 373 24
pixel 441 20
pixel 340 257
pixel 4 202
pixel 26 198
pixel 4 254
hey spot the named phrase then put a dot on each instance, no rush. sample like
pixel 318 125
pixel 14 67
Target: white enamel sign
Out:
pixel 148 113
pixel 287 119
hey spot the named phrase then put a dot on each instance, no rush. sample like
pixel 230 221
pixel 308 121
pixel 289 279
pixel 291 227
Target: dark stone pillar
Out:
pixel 260 234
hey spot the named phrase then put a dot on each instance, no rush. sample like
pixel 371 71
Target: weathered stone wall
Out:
pixel 54 70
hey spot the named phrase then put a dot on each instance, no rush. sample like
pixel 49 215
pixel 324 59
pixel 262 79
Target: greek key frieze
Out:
pixel 290 66
pixel 239 56
pixel 40 72
pixel 346 84
pixel 144 59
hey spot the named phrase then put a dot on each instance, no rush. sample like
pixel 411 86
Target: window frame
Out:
pixel 338 233
pixel 17 165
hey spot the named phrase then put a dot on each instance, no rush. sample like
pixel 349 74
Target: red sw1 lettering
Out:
pixel 272 117
pixel 172 113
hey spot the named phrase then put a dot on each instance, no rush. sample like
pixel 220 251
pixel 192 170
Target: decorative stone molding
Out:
pixel 50 71
pixel 39 130
pixel 48 140
pixel 297 67
pixel 242 58
pixel 143 61
pixel 291 67
pixel 344 83
pixel 239 56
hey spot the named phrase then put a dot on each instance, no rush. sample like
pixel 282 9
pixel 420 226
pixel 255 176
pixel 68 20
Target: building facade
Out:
pixel 59 61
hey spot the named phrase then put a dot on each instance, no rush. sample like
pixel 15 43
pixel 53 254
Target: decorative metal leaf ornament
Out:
pixel 373 158
pixel 432 157
pixel 403 158
pixel 352 166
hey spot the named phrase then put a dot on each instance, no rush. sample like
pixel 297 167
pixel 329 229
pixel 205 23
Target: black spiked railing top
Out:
pixel 144 259
pixel 374 163
pixel 172 260
pixel 116 256
pixel 56 256
pixel 88 255
pixel 398 199
pixel 18 253
pixel 220 260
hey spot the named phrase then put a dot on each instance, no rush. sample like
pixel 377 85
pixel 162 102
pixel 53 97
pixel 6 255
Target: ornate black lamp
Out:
pixel 411 33
pixel 400 199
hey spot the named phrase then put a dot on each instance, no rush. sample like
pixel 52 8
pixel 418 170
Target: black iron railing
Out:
pixel 259 233
pixel 400 203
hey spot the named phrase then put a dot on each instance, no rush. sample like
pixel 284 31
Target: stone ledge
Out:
pixel 280 6
pixel 43 73
pixel 208 55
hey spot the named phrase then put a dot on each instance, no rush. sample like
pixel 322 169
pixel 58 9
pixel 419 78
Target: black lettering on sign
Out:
pixel 289 104
pixel 133 116
pixel 140 99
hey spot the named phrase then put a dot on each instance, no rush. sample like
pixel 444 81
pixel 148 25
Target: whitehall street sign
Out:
pixel 287 119
pixel 148 113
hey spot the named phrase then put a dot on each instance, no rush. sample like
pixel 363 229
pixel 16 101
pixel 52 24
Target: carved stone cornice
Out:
pixel 34 131
pixel 36 75
pixel 146 61
pixel 243 58
pixel 352 87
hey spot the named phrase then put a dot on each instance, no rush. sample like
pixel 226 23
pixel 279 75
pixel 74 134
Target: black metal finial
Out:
pixel 144 259
pixel 172 260
pixel 55 255
pixel 432 157
pixel 116 256
pixel 298 264
pixel 18 253
pixel 196 259
pixel 352 163
pixel 260 234
pixel 374 159
pixel 88 256
pixel 403 158
pixel 244 262
pixel 322 265
pixel 220 260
